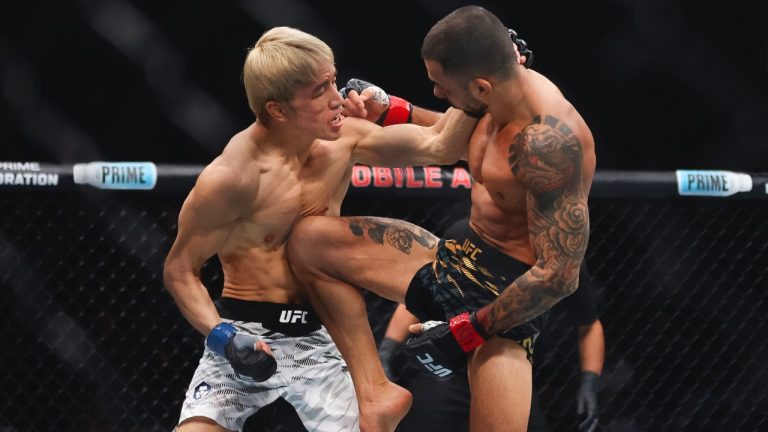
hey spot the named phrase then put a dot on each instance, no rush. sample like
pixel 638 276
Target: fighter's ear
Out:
pixel 276 110
pixel 480 88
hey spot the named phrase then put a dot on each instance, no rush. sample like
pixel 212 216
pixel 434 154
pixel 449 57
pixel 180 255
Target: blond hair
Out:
pixel 283 59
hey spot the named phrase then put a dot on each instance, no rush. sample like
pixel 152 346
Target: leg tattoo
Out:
pixel 398 234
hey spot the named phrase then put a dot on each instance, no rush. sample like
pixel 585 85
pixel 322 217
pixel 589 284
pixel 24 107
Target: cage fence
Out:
pixel 93 341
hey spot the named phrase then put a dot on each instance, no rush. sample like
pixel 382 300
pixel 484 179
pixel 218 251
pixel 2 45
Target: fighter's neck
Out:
pixel 512 101
pixel 279 140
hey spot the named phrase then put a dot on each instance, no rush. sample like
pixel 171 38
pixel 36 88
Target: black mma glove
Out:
pixel 441 348
pixel 398 110
pixel 388 350
pixel 587 407
pixel 522 48
pixel 240 349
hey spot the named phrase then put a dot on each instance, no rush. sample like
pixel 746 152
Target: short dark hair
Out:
pixel 470 42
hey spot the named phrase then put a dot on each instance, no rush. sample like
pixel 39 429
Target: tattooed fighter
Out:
pixel 532 159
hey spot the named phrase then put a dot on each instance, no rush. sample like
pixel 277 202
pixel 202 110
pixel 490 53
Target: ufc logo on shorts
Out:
pixel 293 316
pixel 436 369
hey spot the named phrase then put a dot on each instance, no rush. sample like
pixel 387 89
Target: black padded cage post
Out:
pixel 93 342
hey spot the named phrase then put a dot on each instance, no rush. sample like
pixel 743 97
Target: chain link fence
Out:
pixel 93 342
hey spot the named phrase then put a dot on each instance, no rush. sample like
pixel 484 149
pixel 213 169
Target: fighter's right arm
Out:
pixel 547 156
pixel 205 221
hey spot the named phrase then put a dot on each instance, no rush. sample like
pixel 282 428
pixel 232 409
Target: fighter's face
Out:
pixel 453 91
pixel 316 107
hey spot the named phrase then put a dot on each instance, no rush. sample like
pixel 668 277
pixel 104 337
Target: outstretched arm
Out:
pixel 407 144
pixel 366 100
pixel 547 157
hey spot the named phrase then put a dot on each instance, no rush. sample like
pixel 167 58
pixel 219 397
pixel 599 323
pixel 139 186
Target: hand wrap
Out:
pixel 398 110
pixel 441 349
pixel 241 352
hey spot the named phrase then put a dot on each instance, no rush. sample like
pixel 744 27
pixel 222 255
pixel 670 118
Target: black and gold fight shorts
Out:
pixel 467 275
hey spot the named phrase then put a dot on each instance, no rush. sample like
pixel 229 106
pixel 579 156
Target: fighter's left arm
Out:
pixel 363 99
pixel 547 157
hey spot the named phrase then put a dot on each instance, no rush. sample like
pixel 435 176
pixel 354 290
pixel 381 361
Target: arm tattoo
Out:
pixel 397 233
pixel 547 156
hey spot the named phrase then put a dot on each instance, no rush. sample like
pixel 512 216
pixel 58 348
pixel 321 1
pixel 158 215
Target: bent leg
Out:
pixel 500 378
pixel 321 389
pixel 332 257
pixel 377 254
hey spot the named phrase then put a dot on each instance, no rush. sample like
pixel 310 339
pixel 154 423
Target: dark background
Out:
pixel 92 341
pixel 664 84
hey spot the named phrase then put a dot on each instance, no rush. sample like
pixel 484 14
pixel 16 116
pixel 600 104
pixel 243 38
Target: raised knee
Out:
pixel 302 245
pixel 307 231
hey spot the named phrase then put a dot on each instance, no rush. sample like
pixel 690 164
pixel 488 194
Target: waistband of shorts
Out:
pixel 488 255
pixel 289 319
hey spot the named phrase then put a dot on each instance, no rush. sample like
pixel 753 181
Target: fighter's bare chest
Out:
pixel 489 155
pixel 268 219
pixel 286 193
pixel 294 196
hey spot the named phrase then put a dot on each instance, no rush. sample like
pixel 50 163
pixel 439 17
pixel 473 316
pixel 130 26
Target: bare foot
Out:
pixel 383 413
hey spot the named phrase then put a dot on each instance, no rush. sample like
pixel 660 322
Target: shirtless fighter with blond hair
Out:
pixel 263 340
